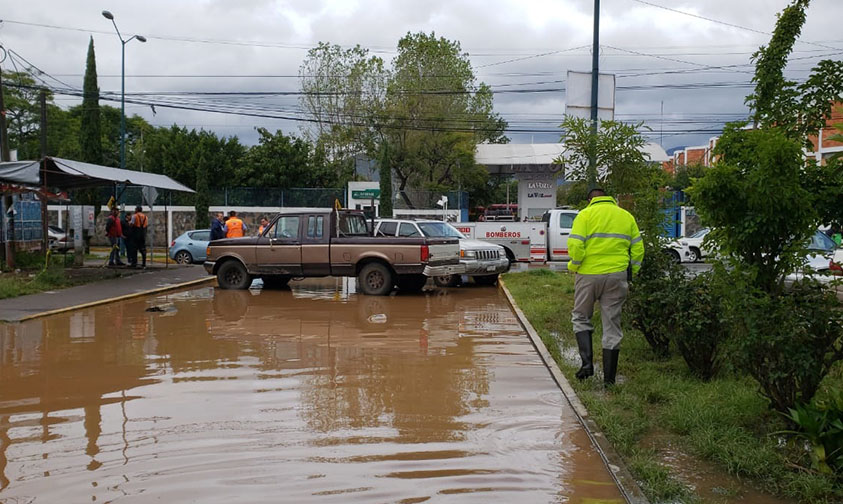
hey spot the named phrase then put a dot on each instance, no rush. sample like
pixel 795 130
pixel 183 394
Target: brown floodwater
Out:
pixel 314 394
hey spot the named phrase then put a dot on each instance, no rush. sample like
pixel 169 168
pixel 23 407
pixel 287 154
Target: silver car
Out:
pixel 483 261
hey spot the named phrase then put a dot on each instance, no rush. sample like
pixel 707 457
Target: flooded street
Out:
pixel 312 394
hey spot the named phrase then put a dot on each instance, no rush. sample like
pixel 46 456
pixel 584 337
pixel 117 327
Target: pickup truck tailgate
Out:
pixel 443 251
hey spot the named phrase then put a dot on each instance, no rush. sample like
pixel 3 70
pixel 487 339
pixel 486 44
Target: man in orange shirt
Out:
pixel 139 224
pixel 234 226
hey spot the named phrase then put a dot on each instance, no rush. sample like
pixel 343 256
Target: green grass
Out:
pixel 14 285
pixel 724 421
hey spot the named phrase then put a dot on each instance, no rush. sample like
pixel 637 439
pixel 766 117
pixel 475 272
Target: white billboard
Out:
pixel 578 95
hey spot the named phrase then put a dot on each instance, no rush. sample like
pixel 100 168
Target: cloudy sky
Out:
pixel 523 49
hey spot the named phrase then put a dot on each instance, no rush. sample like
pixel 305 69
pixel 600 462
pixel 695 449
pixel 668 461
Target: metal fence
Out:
pixel 239 197
pixel 428 199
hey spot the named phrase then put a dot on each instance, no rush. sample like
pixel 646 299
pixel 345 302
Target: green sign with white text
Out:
pixel 367 194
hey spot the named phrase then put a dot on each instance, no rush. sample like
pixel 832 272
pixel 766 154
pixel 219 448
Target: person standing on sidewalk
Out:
pixel 603 245
pixel 114 231
pixel 139 225
pixel 234 226
pixel 217 227
pixel 129 240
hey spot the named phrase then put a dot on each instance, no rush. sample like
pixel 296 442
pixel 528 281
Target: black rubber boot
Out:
pixel 586 354
pixel 610 365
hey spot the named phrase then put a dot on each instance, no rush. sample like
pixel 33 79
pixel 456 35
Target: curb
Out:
pixel 157 290
pixel 617 468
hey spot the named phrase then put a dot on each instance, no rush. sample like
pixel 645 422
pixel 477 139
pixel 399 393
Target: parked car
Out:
pixel 678 252
pixel 191 246
pixel 483 261
pixel 695 244
pixel 58 239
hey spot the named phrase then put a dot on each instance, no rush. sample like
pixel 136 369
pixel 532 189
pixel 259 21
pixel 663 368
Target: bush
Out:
pixel 788 341
pixel 651 303
pixel 821 426
pixel 698 324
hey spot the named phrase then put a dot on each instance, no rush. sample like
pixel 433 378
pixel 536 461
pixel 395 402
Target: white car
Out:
pixel 483 261
pixel 678 252
pixel 695 245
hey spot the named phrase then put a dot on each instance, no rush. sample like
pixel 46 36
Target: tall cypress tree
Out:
pixel 90 134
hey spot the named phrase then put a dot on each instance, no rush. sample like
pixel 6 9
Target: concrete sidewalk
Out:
pixel 148 281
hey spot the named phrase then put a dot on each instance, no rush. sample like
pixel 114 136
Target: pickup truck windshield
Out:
pixel 439 230
pixel 352 225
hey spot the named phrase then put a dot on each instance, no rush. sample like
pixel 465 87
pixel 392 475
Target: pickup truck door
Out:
pixel 558 231
pixel 278 251
pixel 316 248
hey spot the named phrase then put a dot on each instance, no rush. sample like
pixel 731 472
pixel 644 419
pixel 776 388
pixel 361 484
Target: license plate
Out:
pixel 490 268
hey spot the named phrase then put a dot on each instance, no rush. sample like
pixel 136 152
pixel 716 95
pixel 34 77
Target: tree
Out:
pixel 799 110
pixel 343 93
pixel 421 120
pixel 436 113
pixel 617 148
pixel 759 202
pixel 284 161
pixel 764 200
pixel 22 110
pixel 90 133
pixel 90 138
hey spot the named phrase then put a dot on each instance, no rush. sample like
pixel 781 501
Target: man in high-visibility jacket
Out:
pixel 603 245
pixel 234 227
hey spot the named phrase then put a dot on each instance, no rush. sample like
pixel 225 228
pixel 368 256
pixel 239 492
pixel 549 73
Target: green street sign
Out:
pixel 367 194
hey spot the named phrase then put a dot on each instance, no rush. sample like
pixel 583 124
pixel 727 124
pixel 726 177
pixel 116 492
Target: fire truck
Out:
pixel 539 241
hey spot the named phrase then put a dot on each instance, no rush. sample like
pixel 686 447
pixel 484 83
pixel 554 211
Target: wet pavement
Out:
pixel 314 394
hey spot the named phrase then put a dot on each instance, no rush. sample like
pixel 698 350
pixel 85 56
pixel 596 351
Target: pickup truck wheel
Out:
pixel 233 275
pixel 275 281
pixel 447 280
pixel 375 279
pixel 486 280
pixel 412 283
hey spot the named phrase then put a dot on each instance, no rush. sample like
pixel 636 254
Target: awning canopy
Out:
pixel 68 174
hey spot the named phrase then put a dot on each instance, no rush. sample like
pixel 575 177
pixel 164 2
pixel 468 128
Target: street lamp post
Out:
pixel 108 15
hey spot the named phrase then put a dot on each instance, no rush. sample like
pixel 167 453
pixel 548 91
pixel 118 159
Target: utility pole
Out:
pixel 7 198
pixel 44 241
pixel 591 176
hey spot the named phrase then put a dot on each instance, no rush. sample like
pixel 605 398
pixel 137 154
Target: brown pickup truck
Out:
pixel 323 242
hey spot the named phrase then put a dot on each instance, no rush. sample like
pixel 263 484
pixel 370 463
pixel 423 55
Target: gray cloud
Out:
pixel 491 32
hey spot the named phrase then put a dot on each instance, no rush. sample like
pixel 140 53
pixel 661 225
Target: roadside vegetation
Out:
pixel 661 400
pixel 32 275
pixel 736 367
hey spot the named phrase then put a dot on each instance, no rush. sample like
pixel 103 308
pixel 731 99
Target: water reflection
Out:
pixel 313 393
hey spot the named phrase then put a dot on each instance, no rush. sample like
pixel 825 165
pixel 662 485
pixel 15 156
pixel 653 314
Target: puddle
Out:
pixel 308 394
pixel 708 481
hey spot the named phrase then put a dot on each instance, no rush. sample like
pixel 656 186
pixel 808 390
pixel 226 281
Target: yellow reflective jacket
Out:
pixel 604 239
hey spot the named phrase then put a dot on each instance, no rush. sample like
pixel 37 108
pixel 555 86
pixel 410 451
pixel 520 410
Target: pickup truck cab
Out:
pixel 483 261
pixel 325 242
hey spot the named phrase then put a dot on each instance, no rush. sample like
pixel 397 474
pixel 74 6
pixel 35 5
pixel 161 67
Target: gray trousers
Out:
pixel 610 290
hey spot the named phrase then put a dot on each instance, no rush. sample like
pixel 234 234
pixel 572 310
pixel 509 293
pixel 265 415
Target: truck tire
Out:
pixel 375 279
pixel 412 283
pixel 486 280
pixel 275 281
pixel 447 281
pixel 233 275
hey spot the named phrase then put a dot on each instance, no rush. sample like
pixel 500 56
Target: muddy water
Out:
pixel 312 394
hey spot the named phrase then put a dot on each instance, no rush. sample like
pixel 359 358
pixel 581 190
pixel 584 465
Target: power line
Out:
pixel 725 23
